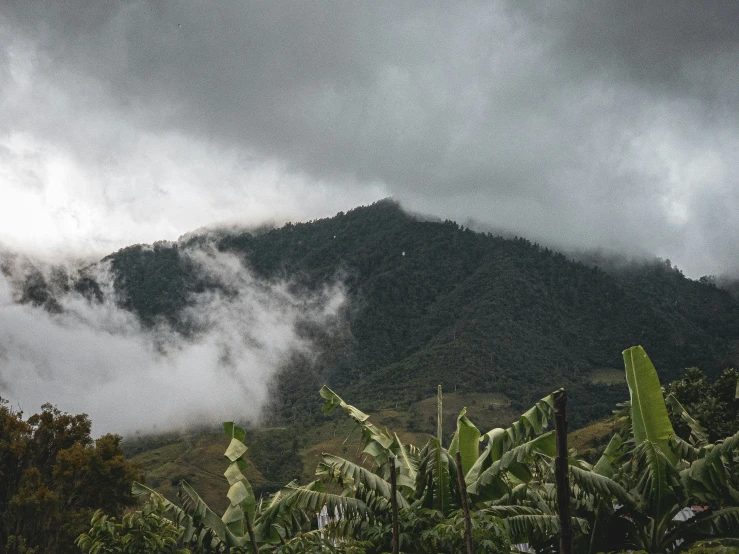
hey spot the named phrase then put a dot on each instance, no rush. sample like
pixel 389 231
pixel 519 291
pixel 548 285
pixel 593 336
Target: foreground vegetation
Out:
pixel 651 490
pixel 630 476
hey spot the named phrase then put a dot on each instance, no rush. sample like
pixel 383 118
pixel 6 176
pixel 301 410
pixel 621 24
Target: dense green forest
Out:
pixel 432 302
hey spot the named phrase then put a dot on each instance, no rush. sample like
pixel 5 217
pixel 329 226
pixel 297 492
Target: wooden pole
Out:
pixel 562 473
pixel 438 415
pixel 394 504
pixel 465 504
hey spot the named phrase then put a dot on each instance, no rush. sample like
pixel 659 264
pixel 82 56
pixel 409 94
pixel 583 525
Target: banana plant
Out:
pixel 494 465
pixel 379 443
pixel 234 529
pixel 634 497
pixel 246 525
pixel 640 491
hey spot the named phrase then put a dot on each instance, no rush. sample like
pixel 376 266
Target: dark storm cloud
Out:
pixel 582 124
pixel 674 47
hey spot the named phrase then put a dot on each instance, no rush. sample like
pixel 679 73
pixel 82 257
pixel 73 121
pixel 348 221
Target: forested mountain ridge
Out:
pixel 433 302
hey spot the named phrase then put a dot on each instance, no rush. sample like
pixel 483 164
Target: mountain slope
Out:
pixel 432 302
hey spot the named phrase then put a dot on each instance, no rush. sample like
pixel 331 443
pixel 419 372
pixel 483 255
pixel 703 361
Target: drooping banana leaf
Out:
pixel 499 441
pixel 294 505
pixel 333 467
pixel 686 451
pixel 313 497
pixel 714 478
pixel 529 528
pixel 379 442
pixel 408 455
pixel 698 433
pixel 202 514
pixel 658 483
pixel 466 440
pixel 615 450
pixel 542 496
pixel 437 478
pixel 600 487
pixel 492 483
pixel 176 514
pixel 648 411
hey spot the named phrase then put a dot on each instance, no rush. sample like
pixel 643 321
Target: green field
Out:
pixel 607 376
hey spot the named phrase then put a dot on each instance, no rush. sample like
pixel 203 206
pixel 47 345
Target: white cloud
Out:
pixel 97 358
pixel 161 187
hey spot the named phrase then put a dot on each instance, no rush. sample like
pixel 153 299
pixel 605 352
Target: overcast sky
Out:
pixel 583 124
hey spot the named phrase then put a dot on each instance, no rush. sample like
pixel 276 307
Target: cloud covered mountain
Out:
pixel 380 304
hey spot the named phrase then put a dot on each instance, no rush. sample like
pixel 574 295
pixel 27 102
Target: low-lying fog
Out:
pixel 97 358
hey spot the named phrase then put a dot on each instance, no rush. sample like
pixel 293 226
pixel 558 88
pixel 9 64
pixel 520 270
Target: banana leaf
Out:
pixel 466 440
pixel 333 467
pixel 648 411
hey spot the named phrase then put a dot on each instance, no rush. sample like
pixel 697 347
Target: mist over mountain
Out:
pixel 67 337
pixel 379 304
